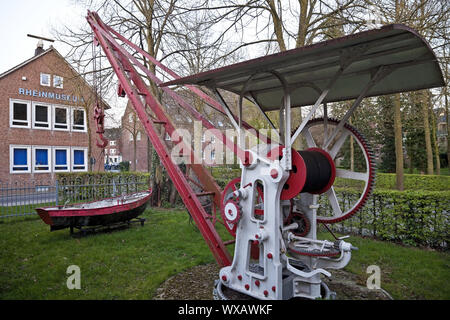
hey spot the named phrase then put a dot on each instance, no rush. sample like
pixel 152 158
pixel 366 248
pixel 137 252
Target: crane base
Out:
pixel 222 292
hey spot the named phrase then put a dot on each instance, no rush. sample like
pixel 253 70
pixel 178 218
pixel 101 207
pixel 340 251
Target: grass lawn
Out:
pixel 406 272
pixel 131 263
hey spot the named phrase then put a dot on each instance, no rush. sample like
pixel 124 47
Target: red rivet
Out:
pixel 273 288
pixel 239 277
pixel 256 236
pixel 266 293
pixel 230 211
pixel 247 287
pixel 274 173
pixel 269 255
pixel 224 278
pixel 257 283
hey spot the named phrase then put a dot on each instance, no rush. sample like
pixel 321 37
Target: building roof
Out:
pixel 35 57
pixel 308 70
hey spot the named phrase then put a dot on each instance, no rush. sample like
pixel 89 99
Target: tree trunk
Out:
pixel 277 25
pixel 448 128
pixel 398 143
pixel 352 151
pixel 134 152
pixel 433 134
pixel 446 117
pixel 173 194
pixel 426 127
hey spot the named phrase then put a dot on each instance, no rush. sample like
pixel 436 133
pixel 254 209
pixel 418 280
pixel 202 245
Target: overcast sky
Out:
pixel 21 17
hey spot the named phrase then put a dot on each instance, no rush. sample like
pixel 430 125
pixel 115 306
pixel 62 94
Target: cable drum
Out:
pixel 320 171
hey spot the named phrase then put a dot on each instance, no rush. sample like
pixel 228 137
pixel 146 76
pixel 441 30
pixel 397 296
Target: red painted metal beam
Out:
pixel 210 101
pixel 191 201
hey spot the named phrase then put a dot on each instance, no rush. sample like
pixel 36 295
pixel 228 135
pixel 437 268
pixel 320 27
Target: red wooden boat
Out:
pixel 97 213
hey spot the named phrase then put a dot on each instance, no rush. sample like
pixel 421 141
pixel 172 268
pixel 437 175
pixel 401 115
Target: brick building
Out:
pixel 134 144
pixel 113 154
pixel 46 120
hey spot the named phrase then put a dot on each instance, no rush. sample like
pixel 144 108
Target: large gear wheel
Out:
pixel 313 132
pixel 302 221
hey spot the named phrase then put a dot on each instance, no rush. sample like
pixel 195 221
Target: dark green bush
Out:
pixel 410 217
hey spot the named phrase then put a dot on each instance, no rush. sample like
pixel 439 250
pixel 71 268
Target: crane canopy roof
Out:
pixel 308 70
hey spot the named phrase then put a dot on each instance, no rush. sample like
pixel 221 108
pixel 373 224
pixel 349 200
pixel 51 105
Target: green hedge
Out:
pixel 411 217
pixel 383 180
pixel 414 182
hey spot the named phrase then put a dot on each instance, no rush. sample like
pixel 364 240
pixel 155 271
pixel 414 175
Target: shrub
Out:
pixel 410 217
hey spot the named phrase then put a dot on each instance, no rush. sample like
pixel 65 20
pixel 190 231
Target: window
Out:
pixel 41 159
pixel 41 116
pixel 19 114
pixel 45 79
pixel 213 155
pixel 112 151
pixel 138 136
pixel 61 159
pixel 19 159
pixel 130 118
pixel 58 81
pixel 79 159
pixel 167 138
pixel 112 143
pixel 78 119
pixel 61 118
pixel 131 136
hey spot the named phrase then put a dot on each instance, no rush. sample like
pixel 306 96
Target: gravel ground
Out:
pixel 197 284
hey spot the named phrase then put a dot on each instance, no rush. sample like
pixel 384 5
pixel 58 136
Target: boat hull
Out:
pixel 101 216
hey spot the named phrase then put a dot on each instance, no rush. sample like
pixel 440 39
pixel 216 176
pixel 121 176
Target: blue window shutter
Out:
pixel 61 157
pixel 78 157
pixel 41 157
pixel 20 157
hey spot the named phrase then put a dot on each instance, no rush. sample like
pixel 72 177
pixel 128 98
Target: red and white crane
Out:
pixel 273 209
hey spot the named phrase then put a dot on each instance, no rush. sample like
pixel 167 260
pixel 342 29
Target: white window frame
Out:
pixel 54 117
pixel 54 82
pixel 112 151
pixel 11 159
pixel 49 79
pixel 11 113
pixel 72 119
pixel 49 155
pixel 49 115
pixel 138 136
pixel 68 157
pixel 112 142
pixel 72 158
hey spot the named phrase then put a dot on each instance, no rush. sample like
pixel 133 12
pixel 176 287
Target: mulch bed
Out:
pixel 197 284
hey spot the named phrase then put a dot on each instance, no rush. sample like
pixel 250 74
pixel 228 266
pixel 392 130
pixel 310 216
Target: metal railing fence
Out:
pixel 19 199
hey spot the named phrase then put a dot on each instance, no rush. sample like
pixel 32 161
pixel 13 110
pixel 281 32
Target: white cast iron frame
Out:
pixel 268 233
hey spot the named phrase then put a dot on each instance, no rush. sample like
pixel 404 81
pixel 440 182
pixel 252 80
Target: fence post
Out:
pixel 57 193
